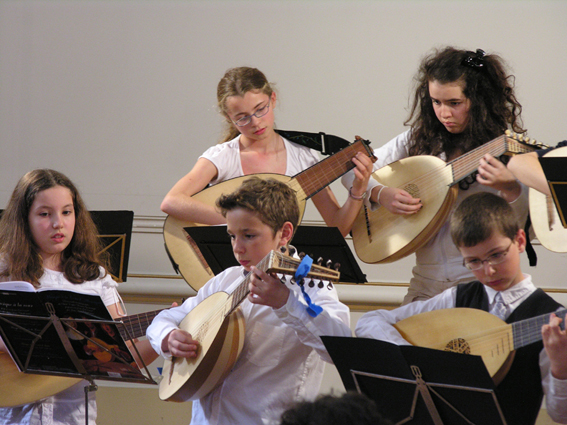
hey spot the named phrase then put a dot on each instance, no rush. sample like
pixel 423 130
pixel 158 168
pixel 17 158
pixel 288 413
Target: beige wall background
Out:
pixel 120 96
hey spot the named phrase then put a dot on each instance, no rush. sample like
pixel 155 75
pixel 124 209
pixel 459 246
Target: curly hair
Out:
pixel 238 82
pixel 274 202
pixel 81 260
pixel 484 81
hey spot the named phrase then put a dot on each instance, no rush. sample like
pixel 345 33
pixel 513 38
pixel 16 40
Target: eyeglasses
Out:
pixel 247 119
pixel 494 259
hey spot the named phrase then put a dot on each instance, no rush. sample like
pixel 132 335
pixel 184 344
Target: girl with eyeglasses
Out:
pixel 247 100
pixel 462 100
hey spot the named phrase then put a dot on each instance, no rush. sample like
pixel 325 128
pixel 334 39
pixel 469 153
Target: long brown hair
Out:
pixel 238 82
pixel 484 81
pixel 81 260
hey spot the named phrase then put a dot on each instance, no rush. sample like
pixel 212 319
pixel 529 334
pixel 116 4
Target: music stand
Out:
pixel 554 170
pixel 416 385
pixel 315 241
pixel 115 231
pixel 65 334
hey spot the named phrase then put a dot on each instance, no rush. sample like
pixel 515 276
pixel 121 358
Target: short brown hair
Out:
pixel 479 216
pixel 274 201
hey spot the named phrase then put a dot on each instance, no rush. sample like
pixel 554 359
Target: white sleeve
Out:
pixel 334 320
pixel 555 391
pixel 379 324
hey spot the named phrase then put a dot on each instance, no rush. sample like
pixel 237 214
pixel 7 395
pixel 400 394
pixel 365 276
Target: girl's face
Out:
pixel 451 106
pixel 52 224
pixel 253 102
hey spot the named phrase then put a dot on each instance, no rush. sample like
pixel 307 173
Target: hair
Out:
pixel 484 81
pixel 238 82
pixel 479 216
pixel 350 408
pixel 274 202
pixel 81 260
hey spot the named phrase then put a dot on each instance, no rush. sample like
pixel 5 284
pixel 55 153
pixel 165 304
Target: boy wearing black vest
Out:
pixel 485 230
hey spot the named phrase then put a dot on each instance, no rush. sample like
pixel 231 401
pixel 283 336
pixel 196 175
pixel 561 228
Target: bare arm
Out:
pixel 527 169
pixel 493 173
pixel 328 206
pixel 179 202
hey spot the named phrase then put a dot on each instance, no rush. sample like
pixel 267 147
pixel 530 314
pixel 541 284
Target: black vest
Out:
pixel 520 393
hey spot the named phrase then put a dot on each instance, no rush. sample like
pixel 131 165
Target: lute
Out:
pixel 544 216
pixel 473 331
pixel 382 237
pixel 183 252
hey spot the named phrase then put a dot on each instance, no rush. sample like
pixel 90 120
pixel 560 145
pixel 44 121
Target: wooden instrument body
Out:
pixel 544 216
pixel 220 342
pixel 23 388
pixel 466 331
pixel 182 250
pixel 392 236
pixel 184 253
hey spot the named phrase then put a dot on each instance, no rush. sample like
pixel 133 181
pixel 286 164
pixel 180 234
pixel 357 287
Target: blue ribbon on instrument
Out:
pixel 302 270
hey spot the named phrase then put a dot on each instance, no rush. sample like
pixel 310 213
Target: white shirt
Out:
pixel 281 361
pixel 226 158
pixel 378 325
pixel 68 406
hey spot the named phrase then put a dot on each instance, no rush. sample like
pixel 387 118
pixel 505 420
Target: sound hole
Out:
pixel 412 189
pixel 458 345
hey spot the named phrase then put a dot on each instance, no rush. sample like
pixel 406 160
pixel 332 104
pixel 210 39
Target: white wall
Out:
pixel 120 95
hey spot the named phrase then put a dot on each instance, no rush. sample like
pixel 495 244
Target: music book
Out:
pixel 416 385
pixel 63 333
pixel 554 170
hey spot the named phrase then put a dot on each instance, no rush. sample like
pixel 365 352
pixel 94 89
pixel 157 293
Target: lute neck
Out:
pixel 528 331
pixel 325 172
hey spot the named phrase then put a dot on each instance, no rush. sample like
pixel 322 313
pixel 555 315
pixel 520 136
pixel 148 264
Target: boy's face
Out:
pixel 251 239
pixel 500 276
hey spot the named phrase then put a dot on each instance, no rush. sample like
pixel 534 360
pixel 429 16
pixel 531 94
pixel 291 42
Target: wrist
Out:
pixel 378 195
pixel 357 198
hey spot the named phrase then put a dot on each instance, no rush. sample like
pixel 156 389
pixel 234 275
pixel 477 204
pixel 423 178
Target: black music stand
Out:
pixel 554 169
pixel 315 241
pixel 415 385
pixel 61 333
pixel 115 231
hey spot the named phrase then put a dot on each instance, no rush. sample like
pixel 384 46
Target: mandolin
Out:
pixel 382 237
pixel 184 253
pixel 544 216
pixel 217 323
pixel 23 388
pixel 473 331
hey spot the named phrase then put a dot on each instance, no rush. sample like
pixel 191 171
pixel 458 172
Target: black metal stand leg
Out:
pixel 88 389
